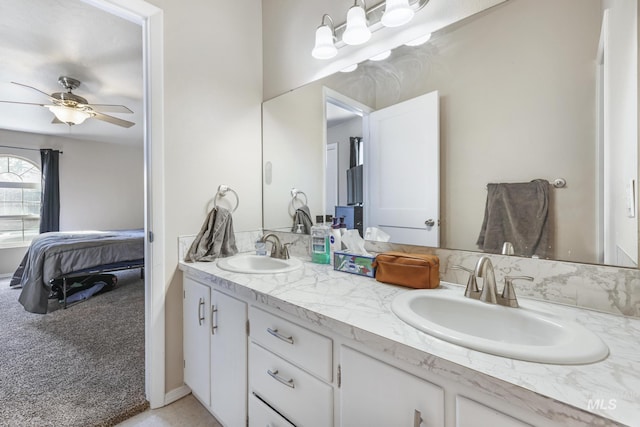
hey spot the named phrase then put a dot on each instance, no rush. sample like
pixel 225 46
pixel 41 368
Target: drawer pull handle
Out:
pixel 275 376
pixel 200 311
pixel 417 418
pixel 214 323
pixel 278 335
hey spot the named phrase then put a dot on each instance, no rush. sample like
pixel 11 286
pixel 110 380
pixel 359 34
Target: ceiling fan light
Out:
pixel 397 13
pixel 349 68
pixel 70 116
pixel 324 47
pixel 357 31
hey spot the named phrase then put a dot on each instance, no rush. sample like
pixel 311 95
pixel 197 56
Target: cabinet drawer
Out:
pixel 298 396
pixel 261 415
pixel 299 345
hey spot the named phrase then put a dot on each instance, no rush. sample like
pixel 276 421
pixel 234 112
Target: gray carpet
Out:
pixel 83 366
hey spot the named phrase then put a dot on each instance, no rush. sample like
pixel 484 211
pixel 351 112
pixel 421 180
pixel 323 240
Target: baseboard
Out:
pixel 176 394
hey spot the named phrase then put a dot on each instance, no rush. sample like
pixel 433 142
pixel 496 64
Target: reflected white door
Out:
pixel 403 171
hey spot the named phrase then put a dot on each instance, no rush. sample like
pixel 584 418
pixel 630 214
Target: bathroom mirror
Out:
pixel 527 90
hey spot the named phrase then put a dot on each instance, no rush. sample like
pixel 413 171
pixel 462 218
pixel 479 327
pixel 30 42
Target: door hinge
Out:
pixel 150 236
pixel 184 363
pixel 184 294
pixel 248 327
pixel 339 376
pixel 247 424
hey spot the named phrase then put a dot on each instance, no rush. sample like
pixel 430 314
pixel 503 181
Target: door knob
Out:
pixel 430 222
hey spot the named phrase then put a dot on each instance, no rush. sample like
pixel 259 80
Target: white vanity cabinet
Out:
pixel 470 413
pixel 373 393
pixel 215 351
pixel 290 369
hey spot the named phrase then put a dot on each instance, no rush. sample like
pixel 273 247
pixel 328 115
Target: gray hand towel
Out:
pixel 215 239
pixel 517 213
pixel 302 216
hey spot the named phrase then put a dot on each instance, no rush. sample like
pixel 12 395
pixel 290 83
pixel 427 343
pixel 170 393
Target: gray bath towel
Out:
pixel 517 213
pixel 302 216
pixel 215 239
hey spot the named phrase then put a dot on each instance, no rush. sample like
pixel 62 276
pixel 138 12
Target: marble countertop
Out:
pixel 359 308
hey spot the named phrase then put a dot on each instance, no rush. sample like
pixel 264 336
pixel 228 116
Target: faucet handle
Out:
pixel 471 291
pixel 508 293
pixel 285 251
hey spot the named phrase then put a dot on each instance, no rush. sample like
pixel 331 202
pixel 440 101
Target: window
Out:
pixel 20 196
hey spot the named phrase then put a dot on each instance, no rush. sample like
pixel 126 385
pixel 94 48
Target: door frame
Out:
pixel 150 18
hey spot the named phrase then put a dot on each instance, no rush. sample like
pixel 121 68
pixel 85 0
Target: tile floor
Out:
pixel 184 412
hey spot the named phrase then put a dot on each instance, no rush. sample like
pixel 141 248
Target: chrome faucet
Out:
pixel 278 250
pixel 484 269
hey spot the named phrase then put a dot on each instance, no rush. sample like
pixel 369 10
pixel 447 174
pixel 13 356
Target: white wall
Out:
pixel 212 133
pixel 101 185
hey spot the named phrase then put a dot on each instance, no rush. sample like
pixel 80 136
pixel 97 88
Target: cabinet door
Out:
pixel 470 414
pixel 374 394
pixel 196 319
pixel 228 359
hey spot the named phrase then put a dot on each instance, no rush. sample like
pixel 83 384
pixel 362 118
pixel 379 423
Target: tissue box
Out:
pixel 355 264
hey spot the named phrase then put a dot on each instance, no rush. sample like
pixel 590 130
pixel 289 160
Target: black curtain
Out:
pixel 50 207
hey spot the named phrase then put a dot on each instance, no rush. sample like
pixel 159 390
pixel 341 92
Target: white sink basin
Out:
pixel 258 264
pixel 518 333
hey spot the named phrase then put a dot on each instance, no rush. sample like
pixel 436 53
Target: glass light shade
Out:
pixel 381 56
pixel 70 116
pixel 419 40
pixel 397 13
pixel 324 48
pixel 357 31
pixel 350 68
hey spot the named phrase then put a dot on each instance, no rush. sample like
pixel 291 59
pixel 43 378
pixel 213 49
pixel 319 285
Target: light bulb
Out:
pixel 349 69
pixel 381 56
pixel 397 13
pixel 357 31
pixel 419 40
pixel 324 47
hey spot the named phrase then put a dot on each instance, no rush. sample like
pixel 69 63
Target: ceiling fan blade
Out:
pixel 108 108
pixel 22 103
pixel 36 89
pixel 112 120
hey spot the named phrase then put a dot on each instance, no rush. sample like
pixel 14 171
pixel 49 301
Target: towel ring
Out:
pixel 295 193
pixel 222 191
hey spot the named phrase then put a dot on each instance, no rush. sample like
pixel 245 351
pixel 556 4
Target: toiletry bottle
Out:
pixel 319 242
pixel 335 240
pixel 261 247
pixel 342 225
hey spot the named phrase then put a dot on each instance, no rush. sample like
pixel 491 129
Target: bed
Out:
pixel 61 255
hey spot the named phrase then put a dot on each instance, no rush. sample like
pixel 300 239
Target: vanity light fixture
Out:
pixel 70 116
pixel 325 47
pixel 357 31
pixel 419 41
pixel 360 24
pixel 397 13
pixel 381 56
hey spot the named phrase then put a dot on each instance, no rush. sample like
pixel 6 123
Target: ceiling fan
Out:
pixel 72 109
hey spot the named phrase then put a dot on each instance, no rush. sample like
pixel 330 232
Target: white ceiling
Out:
pixel 41 40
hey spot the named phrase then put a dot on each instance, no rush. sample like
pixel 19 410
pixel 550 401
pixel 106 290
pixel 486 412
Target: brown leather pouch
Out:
pixel 412 270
